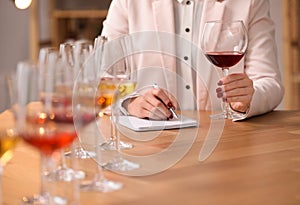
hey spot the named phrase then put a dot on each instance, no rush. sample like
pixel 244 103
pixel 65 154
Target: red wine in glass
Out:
pixel 224 44
pixel 224 59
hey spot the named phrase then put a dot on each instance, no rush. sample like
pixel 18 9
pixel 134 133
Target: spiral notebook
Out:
pixel 138 124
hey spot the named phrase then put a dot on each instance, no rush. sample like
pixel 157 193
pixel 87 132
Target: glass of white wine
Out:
pixel 8 134
pixel 8 141
pixel 108 85
pixel 85 98
pixel 117 81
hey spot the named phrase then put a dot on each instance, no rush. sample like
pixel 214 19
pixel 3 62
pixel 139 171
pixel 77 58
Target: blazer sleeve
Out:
pixel 116 22
pixel 261 63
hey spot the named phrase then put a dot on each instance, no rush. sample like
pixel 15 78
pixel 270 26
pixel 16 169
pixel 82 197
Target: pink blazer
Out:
pixel 260 63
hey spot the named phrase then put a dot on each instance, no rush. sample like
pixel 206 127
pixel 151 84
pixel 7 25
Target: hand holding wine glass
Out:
pixel 224 43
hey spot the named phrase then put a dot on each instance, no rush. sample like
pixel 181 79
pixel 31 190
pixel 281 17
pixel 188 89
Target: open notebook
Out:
pixel 138 124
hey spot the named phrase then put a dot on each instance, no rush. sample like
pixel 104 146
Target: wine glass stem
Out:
pixel 114 122
pixel 112 130
pixel 225 104
pixel 63 163
pixel 44 171
pixel 99 172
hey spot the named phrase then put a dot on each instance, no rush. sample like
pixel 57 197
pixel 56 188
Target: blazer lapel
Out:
pixel 212 10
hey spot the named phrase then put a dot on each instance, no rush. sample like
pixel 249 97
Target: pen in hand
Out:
pixel 169 105
pixel 173 112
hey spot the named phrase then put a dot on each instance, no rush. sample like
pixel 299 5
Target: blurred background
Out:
pixel 49 22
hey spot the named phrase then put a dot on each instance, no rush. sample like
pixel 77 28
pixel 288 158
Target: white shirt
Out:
pixel 187 15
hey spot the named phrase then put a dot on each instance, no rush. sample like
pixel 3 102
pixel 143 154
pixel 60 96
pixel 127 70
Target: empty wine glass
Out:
pixel 82 49
pixel 84 98
pixel 224 43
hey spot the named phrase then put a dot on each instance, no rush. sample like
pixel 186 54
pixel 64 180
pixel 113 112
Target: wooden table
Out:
pixel 256 161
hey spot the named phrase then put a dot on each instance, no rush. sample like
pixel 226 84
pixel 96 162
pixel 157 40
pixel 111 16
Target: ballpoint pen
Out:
pixel 169 105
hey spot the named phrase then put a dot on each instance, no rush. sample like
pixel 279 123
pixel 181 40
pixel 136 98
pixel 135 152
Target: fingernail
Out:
pixel 219 90
pixel 170 105
pixel 224 99
pixel 219 95
pixel 170 117
pixel 220 82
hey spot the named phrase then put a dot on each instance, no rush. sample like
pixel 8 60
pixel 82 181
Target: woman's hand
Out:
pixel 236 89
pixel 153 104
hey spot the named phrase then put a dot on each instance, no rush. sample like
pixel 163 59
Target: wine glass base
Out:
pixel 102 185
pixel 81 154
pixel 230 115
pixel 120 164
pixel 111 145
pixel 43 200
pixel 65 174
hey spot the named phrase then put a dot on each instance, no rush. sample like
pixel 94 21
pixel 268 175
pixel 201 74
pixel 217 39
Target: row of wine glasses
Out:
pixel 44 111
pixel 42 116
pixel 69 92
pixel 73 56
pixel 72 88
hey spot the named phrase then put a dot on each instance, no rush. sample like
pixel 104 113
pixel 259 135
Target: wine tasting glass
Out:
pixel 84 98
pixel 82 49
pixel 117 81
pixel 124 88
pixel 44 118
pixel 110 86
pixel 8 134
pixel 65 55
pixel 224 43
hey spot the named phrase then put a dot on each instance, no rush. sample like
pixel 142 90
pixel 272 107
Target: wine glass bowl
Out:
pixel 41 130
pixel 86 100
pixel 44 116
pixel 119 80
pixel 60 61
pixel 224 43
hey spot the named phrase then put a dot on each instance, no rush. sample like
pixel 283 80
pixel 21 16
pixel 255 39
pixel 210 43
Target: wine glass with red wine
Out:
pixel 44 118
pixel 224 43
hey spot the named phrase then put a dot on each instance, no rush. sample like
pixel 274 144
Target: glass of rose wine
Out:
pixel 66 60
pixel 224 43
pixel 85 98
pixel 44 118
